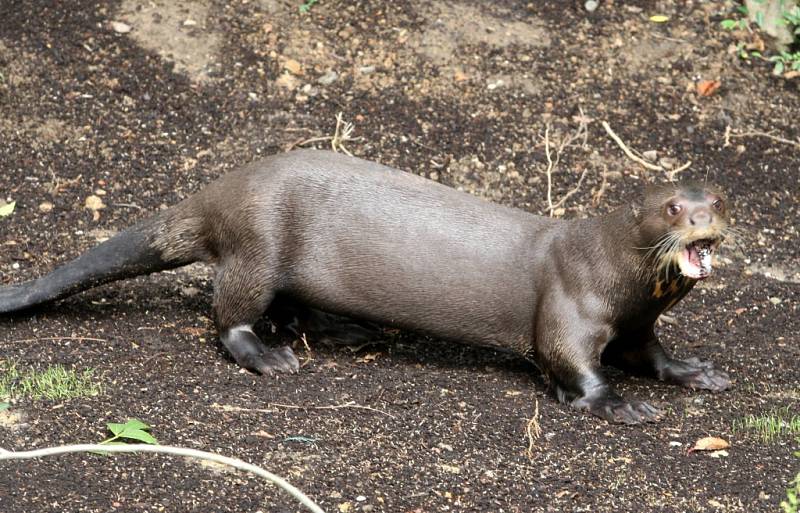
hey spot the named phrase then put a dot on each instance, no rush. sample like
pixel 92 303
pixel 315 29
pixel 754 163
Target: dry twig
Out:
pixel 628 152
pixel 602 189
pixel 350 404
pixel 729 134
pixel 341 134
pixel 45 339
pixel 553 160
pixel 533 430
pixel 671 173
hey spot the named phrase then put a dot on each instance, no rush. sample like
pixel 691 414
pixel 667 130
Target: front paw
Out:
pixel 615 409
pixel 696 374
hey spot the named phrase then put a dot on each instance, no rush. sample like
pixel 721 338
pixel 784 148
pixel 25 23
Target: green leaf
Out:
pixel 5 406
pixel 115 428
pixel 138 434
pixel 136 424
pixel 7 208
pixel 760 18
pixel 728 24
pixel 778 70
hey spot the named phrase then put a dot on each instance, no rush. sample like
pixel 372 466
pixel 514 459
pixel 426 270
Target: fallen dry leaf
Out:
pixel 94 203
pixel 193 331
pixel 452 469
pixel 708 87
pixel 460 76
pixel 293 67
pixel 369 357
pixel 709 443
pixel 7 208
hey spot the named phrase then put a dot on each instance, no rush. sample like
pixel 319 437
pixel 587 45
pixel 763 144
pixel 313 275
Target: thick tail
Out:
pixel 142 249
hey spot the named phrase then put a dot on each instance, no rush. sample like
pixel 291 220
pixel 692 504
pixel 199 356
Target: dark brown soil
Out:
pixel 458 91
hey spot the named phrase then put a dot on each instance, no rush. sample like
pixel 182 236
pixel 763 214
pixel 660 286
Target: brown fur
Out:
pixel 353 238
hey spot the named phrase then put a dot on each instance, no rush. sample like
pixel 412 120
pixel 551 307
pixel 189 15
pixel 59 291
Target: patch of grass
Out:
pixel 772 425
pixel 307 5
pixel 54 382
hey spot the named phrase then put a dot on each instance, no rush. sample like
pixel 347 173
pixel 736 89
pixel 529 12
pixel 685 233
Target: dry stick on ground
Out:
pixel 350 404
pixel 755 133
pixel 45 339
pixel 309 357
pixel 341 134
pixel 167 449
pixel 553 164
pixel 533 431
pixel 602 190
pixel 671 173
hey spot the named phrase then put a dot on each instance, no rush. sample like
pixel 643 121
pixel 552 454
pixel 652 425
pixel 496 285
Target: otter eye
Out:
pixel 717 204
pixel 673 209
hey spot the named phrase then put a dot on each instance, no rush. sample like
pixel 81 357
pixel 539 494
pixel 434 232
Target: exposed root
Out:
pixel 729 134
pixel 533 430
pixel 670 173
pixel 553 159
pixel 342 133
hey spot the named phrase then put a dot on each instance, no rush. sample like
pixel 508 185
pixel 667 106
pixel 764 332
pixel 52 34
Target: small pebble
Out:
pixel 120 28
pixel 591 5
pixel 328 78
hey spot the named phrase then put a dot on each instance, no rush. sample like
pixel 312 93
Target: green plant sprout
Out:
pixel 792 502
pixel 307 6
pixel 133 429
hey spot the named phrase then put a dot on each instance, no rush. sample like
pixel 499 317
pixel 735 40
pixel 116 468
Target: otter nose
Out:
pixel 700 218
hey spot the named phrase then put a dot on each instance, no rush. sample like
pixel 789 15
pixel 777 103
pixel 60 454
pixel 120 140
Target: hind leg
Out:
pixel 321 326
pixel 241 295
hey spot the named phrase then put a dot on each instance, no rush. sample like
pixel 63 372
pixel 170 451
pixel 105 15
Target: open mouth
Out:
pixel 695 259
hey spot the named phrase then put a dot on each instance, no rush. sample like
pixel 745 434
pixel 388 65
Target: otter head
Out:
pixel 683 225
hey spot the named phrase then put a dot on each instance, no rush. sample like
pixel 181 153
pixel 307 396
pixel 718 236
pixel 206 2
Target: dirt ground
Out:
pixel 462 92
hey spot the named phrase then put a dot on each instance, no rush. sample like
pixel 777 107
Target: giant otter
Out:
pixel 359 239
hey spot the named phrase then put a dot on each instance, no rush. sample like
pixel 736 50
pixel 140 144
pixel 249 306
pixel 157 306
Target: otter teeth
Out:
pixel 696 260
